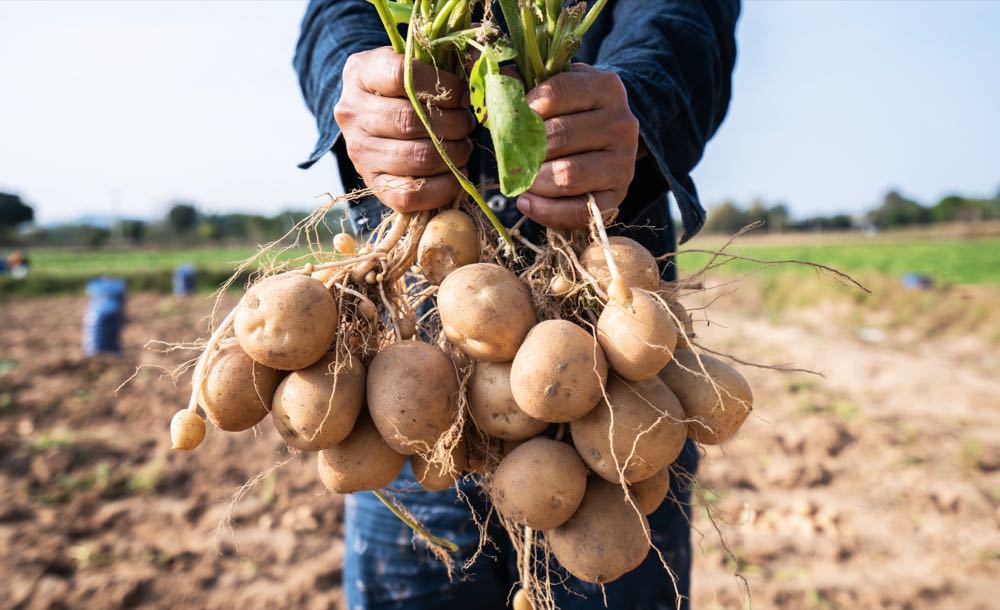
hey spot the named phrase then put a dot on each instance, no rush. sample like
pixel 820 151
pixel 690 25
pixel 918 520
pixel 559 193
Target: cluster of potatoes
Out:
pixel 586 419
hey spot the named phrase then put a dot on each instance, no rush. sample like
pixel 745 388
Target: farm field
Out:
pixel 877 486
pixel 946 258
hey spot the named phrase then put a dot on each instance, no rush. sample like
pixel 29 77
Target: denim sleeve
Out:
pixel 676 59
pixel 332 31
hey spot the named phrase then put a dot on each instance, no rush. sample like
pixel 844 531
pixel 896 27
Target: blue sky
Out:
pixel 114 108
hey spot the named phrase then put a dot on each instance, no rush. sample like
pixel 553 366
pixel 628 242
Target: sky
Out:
pixel 119 108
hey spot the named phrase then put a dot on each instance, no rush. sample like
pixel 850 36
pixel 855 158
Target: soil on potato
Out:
pixel 878 487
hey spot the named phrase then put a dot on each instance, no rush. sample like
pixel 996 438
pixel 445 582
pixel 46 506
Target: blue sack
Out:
pixel 105 315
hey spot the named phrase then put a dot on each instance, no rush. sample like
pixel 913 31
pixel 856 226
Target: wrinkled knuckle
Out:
pixel 394 73
pixel 556 133
pixel 564 173
pixel 405 123
pixel 423 157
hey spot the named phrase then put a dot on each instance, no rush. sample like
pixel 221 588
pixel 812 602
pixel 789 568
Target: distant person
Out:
pixel 17 263
pixel 652 88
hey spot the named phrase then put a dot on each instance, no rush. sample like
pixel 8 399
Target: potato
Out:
pixel 412 389
pixel 436 477
pixel 558 373
pixel 539 484
pixel 522 601
pixel 187 430
pixel 237 391
pixel 361 462
pixel 649 494
pixel 286 322
pixel 316 408
pixel 710 420
pixel 604 539
pixel 492 406
pixel 647 423
pixel 486 311
pixel 450 241
pixel 635 264
pixel 638 339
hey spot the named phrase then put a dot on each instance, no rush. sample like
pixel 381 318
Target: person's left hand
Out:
pixel 593 140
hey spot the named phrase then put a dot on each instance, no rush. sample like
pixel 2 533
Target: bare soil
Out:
pixel 878 487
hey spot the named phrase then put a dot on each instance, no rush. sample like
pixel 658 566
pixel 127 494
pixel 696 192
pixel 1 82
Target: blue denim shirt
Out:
pixel 675 58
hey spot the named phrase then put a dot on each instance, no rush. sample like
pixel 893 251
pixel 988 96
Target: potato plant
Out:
pixel 549 372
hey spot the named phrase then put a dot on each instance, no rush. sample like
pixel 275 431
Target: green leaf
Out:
pixel 477 85
pixel 518 134
pixel 400 12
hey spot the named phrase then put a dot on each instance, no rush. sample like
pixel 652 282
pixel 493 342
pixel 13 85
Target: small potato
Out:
pixel 638 339
pixel 316 408
pixel 486 311
pixel 437 477
pixel 559 372
pixel 286 322
pixel 412 388
pixel 604 539
pixel 635 264
pixel 187 430
pixel 237 391
pixel 361 462
pixel 646 422
pixel 450 241
pixel 710 421
pixel 649 494
pixel 492 405
pixel 539 484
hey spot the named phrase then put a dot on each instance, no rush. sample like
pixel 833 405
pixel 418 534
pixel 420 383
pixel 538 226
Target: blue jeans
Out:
pixel 385 569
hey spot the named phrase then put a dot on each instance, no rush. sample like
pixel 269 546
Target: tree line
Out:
pixel 183 224
pixel 893 211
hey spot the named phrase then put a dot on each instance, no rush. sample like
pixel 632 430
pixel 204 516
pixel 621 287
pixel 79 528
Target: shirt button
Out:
pixel 497 203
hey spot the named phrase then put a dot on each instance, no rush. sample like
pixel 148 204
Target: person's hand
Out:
pixel 592 145
pixel 385 139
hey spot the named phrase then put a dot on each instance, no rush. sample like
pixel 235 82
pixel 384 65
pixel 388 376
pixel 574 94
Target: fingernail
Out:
pixel 524 205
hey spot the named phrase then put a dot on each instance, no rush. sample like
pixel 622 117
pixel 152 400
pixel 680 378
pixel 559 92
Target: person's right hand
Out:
pixel 385 139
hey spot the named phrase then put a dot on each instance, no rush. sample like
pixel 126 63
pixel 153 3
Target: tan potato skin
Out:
pixel 643 410
pixel 432 477
pixel 361 462
pixel 539 484
pixel 604 539
pixel 710 422
pixel 650 493
pixel 238 391
pixel 412 389
pixel 558 373
pixel 286 322
pixel 635 264
pixel 486 311
pixel 638 339
pixel 450 241
pixel 492 405
pixel 315 408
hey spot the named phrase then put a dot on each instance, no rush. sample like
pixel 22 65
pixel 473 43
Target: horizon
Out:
pixel 121 120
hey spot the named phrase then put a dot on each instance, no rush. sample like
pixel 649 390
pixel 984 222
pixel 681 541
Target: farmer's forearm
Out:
pixel 676 60
pixel 332 31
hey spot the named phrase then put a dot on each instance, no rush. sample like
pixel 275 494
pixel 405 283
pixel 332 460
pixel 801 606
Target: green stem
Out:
pixel 531 45
pixel 416 527
pixel 591 17
pixel 390 25
pixel 441 19
pixel 418 107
